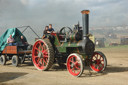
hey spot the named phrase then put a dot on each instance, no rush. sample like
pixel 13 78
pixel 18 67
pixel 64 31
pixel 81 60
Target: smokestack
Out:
pixel 85 20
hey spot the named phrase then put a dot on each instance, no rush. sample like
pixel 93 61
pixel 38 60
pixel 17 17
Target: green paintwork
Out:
pixel 63 46
pixel 57 43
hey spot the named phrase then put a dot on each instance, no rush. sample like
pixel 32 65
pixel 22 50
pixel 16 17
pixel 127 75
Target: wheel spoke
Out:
pixel 39 64
pixel 95 57
pixel 102 65
pixel 38 59
pixel 102 60
pixel 36 49
pixel 39 44
pixel 73 69
pixel 97 66
pixel 44 61
pixel 41 60
pixel 43 47
pixel 100 57
pixel 45 51
pixel 45 56
pixel 77 67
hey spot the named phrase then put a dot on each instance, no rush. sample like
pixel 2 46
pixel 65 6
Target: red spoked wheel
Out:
pixel 75 64
pixel 98 62
pixel 42 54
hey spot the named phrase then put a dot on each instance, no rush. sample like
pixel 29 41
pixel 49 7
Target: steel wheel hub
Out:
pixel 40 55
pixel 98 62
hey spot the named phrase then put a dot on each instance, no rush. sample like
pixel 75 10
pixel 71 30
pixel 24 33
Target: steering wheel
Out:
pixel 66 31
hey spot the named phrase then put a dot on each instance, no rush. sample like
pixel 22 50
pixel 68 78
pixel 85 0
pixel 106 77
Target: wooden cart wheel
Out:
pixel 15 60
pixel 43 54
pixel 3 60
pixel 75 64
pixel 98 61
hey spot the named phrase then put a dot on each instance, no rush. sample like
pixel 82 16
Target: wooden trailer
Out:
pixel 14 53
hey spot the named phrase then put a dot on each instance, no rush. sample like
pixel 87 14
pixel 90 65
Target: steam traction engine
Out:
pixel 72 47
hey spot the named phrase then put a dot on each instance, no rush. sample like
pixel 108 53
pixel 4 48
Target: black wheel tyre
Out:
pixel 2 59
pixel 15 60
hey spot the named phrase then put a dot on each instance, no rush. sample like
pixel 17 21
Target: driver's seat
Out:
pixel 62 37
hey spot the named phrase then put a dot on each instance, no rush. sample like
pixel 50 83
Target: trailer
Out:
pixel 16 53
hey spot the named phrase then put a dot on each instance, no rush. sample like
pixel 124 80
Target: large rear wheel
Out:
pixel 2 59
pixel 98 62
pixel 75 64
pixel 43 54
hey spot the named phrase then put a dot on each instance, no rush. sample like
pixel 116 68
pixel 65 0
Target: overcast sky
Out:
pixel 38 13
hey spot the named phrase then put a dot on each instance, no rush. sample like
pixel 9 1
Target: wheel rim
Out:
pixel 74 65
pixel 40 55
pixel 97 62
pixel 14 60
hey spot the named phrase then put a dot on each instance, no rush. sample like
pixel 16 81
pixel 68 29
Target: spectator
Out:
pixel 10 41
pixel 24 42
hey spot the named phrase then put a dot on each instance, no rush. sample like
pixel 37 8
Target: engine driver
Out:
pixel 50 29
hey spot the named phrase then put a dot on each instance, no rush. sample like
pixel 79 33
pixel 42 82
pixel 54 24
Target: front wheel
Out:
pixel 2 59
pixel 75 64
pixel 98 62
pixel 15 60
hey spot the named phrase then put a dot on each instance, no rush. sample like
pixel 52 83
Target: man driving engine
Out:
pixel 50 29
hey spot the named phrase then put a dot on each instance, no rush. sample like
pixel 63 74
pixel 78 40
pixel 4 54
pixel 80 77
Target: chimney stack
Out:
pixel 85 21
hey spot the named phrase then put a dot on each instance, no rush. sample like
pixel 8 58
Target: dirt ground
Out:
pixel 26 74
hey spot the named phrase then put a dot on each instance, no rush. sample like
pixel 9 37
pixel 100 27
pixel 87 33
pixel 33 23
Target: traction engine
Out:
pixel 72 47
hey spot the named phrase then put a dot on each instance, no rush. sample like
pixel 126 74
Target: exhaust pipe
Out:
pixel 85 21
